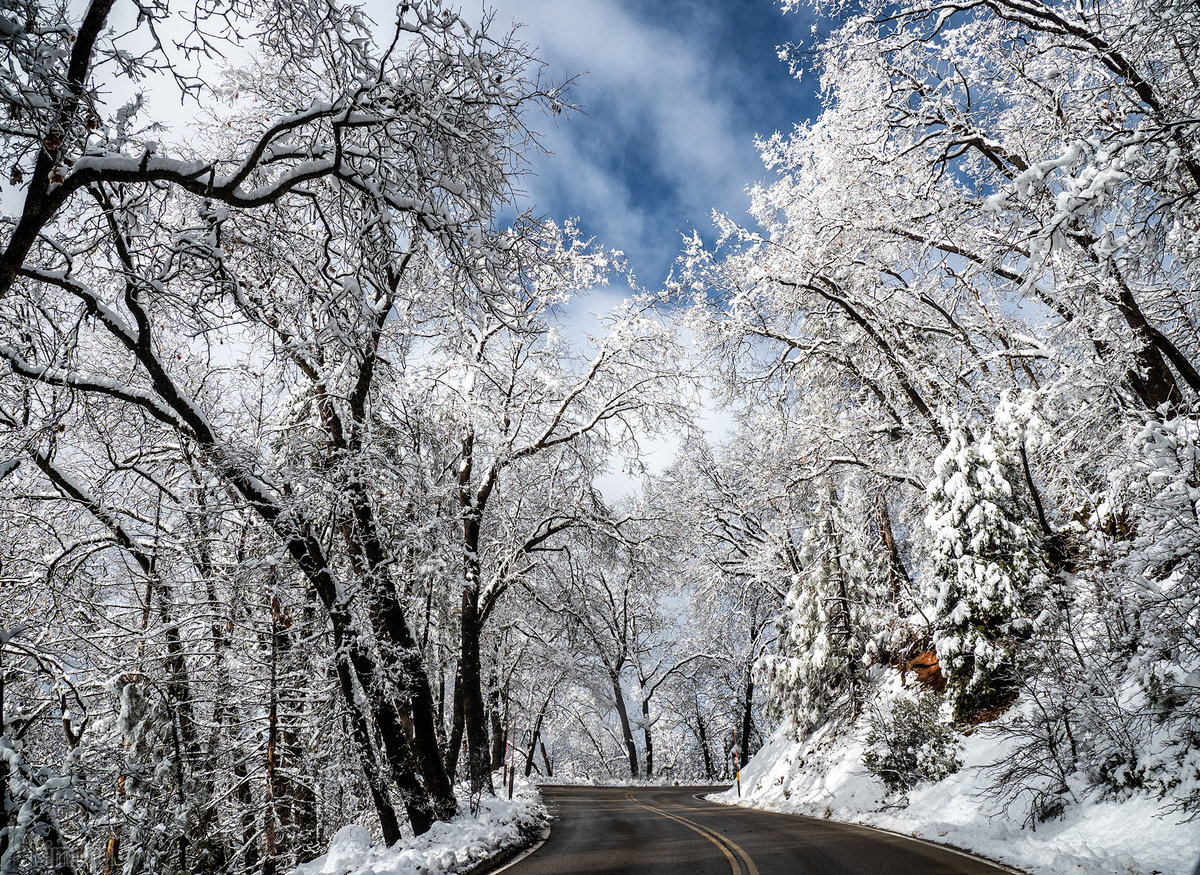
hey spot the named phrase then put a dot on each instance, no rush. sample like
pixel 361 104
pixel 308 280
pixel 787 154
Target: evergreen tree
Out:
pixel 985 572
pixel 823 629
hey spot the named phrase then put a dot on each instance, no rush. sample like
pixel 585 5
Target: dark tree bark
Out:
pixel 647 737
pixel 498 723
pixel 897 574
pixel 472 504
pixel 474 713
pixel 431 797
pixel 536 734
pixel 747 718
pixel 841 626
pixel 534 737
pixel 457 727
pixel 291 825
pixel 6 802
pixel 626 730
pixel 702 735
pixel 244 795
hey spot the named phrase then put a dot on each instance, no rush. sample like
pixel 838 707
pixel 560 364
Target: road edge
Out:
pixel 505 858
pixel 945 846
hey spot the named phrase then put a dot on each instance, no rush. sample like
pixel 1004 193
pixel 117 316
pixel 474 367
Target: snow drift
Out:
pixel 822 775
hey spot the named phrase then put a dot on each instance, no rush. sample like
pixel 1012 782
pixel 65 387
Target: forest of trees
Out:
pixel 298 458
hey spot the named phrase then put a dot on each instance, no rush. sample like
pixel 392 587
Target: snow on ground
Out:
pixel 448 848
pixel 824 777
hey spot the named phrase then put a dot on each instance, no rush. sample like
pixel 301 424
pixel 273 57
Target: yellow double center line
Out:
pixel 727 846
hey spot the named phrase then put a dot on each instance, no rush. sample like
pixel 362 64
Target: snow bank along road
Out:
pixel 665 830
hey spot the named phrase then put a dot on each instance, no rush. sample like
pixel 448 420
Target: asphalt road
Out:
pixel 668 831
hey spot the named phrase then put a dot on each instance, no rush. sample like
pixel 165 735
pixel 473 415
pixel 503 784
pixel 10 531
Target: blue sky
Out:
pixel 674 93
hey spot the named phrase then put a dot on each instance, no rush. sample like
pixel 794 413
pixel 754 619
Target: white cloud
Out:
pixel 659 80
pixel 574 177
pixel 663 117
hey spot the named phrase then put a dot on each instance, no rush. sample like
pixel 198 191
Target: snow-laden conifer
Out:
pixel 986 568
pixel 819 664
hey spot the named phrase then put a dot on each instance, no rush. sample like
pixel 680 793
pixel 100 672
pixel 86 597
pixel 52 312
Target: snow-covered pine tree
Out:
pixel 818 667
pixel 986 569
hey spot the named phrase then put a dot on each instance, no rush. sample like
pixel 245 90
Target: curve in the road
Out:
pixel 671 831
pixel 727 846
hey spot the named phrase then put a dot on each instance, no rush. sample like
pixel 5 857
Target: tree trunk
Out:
pixel 1153 380
pixel 474 713
pixel 897 574
pixel 747 718
pixel 844 630
pixel 531 752
pixel 471 505
pixel 245 798
pixel 840 620
pixel 178 684
pixel 6 804
pixel 356 665
pixel 537 734
pixel 440 722
pixel 646 736
pixel 497 724
pixel 357 669
pixel 431 797
pixel 626 731
pixel 422 802
pixel 292 804
pixel 360 732
pixel 702 734
pixel 457 727
pixel 224 721
pixel 270 836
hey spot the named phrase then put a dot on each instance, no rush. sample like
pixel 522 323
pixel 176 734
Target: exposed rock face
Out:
pixel 927 671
